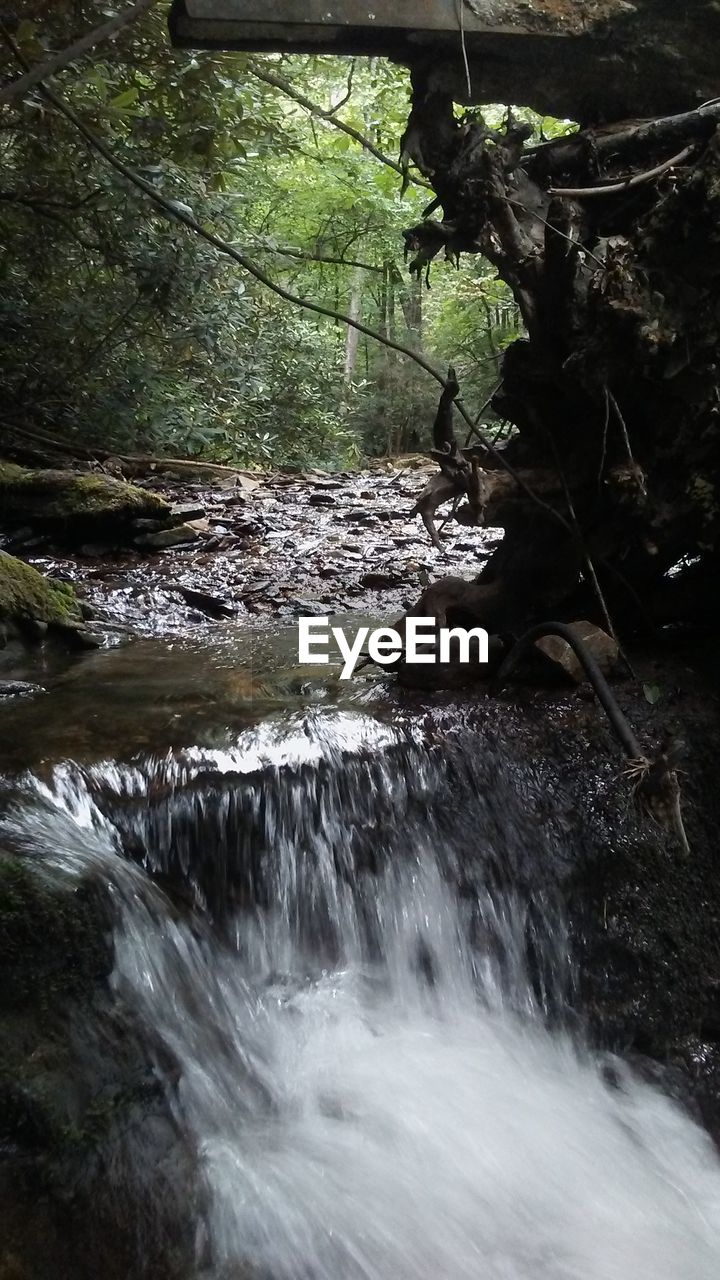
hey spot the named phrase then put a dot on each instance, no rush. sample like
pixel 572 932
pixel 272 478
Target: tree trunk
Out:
pixel 352 336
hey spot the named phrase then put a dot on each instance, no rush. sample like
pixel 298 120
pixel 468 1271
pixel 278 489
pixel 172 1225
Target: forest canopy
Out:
pixel 123 330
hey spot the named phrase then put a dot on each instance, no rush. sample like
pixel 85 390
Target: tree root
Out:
pixel 656 788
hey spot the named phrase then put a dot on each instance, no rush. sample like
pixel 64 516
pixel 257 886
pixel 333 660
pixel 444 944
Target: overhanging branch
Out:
pixel 65 57
pixel 279 82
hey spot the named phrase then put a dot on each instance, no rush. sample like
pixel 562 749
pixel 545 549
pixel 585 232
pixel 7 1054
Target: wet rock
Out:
pixel 35 629
pixel 165 538
pixel 79 637
pixel 28 600
pixel 600 645
pixel 80 1103
pixel 98 550
pixel 148 526
pixel 249 528
pixel 302 607
pixel 183 513
pixel 211 606
pixel 361 516
pixel 19 689
pixel 321 500
pixel 380 581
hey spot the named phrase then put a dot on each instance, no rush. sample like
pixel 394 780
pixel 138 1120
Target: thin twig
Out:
pixel 474 428
pixel 315 257
pixel 625 184
pixel 461 21
pixel 606 424
pixel 623 428
pixel 279 82
pixel 576 244
pixel 589 565
pixel 348 91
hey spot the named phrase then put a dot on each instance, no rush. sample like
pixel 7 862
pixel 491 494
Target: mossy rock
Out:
pixel 53 939
pixel 73 503
pixel 26 596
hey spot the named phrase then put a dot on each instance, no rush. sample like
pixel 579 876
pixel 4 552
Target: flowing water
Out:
pixel 368 1013
pixel 377 1080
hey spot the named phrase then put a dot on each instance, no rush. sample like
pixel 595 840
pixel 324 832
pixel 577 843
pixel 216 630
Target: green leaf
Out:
pixel 124 99
pixel 26 32
pixel 653 693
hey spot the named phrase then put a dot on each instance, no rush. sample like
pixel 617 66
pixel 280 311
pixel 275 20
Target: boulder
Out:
pixel 599 644
pixel 28 599
pixel 73 506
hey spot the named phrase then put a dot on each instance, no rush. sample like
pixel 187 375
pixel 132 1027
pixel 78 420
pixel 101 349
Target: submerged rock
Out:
pixel 19 689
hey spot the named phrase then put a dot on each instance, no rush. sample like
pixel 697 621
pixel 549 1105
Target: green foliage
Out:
pixel 121 330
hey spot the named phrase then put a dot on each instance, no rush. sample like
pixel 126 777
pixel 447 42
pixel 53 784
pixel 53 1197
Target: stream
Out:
pixel 340 937
pixel 362 1018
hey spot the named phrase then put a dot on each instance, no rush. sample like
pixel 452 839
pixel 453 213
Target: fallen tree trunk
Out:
pixel 608 239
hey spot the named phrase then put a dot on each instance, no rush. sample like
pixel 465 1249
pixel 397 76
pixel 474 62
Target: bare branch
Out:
pixel 279 82
pixel 318 257
pixel 623 184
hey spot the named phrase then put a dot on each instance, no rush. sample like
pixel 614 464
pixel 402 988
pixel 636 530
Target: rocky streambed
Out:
pixel 249 547
pixel 165 792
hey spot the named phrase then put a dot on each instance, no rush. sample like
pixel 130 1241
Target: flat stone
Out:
pixel 182 513
pixel 96 550
pixel 210 605
pixel 146 526
pixel 303 607
pixel 165 538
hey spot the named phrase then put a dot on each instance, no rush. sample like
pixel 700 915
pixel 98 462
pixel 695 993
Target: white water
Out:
pixel 380 1103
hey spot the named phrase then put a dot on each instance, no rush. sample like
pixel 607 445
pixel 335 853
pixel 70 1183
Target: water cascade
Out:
pixel 369 1019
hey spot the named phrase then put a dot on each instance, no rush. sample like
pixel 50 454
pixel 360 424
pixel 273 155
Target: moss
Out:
pixel 53 940
pixel 55 954
pixel 10 473
pixel 62 499
pixel 26 595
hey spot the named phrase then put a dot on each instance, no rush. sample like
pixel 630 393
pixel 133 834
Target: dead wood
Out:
pixel 607 239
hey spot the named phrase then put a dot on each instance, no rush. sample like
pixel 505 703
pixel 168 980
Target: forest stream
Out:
pixel 338 981
pixel 401 318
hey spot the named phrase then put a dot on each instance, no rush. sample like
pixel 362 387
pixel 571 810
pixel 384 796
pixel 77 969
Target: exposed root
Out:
pixel 656 788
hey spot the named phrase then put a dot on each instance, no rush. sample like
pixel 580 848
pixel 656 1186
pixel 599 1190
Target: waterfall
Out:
pixel 375 1060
